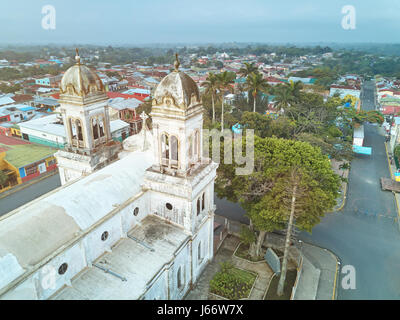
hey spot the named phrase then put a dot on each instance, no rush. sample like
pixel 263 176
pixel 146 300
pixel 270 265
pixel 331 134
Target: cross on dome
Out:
pixel 177 63
pixel 144 116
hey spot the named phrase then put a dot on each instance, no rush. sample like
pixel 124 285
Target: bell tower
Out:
pixel 177 116
pixel 84 110
pixel 180 182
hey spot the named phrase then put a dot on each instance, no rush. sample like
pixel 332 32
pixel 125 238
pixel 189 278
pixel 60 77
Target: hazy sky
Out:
pixel 198 21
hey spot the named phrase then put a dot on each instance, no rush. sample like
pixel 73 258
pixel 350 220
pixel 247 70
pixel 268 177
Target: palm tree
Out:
pixel 224 81
pixel 256 83
pixel 288 94
pixel 295 88
pixel 248 69
pixel 211 85
pixel 283 97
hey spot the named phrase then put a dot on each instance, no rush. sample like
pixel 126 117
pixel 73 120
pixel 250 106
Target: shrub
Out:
pixel 232 283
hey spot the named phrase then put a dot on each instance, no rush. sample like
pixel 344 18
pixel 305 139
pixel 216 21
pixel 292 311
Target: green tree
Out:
pixel 255 83
pixel 211 85
pixel 225 81
pixel 264 194
pixel 283 97
pixel 248 69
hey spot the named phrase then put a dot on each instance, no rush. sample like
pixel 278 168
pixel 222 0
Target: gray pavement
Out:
pixel 31 192
pixel 364 234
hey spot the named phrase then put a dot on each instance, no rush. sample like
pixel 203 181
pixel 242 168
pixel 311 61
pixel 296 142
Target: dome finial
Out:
pixel 176 63
pixel 77 57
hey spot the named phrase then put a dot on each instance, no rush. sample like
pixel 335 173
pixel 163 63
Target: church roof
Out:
pixel 179 86
pixel 33 232
pixel 79 80
pixel 131 260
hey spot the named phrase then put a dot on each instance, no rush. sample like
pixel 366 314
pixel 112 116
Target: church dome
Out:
pixel 179 86
pixel 80 80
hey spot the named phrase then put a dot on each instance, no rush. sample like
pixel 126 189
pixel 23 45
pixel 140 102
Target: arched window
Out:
pixel 101 126
pixel 95 129
pixel 73 129
pixel 174 151
pixel 165 149
pixel 197 144
pixel 203 202
pixel 198 206
pixel 190 147
pixel 79 130
pixel 169 150
pixel 179 278
pixel 199 255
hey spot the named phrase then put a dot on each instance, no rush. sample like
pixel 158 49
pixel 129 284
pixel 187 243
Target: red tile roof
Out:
pixel 11 141
pixel 390 109
pixel 22 98
pixel 113 95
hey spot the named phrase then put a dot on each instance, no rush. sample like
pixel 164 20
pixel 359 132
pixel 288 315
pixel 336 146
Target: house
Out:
pixel 343 91
pixel 309 80
pixel 6 100
pixel 125 109
pixel 50 131
pixel 16 113
pixel 48 81
pixel 47 104
pixel 273 81
pixel 23 161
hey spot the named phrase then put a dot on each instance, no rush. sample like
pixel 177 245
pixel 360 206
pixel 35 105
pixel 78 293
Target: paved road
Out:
pixel 30 193
pixel 365 233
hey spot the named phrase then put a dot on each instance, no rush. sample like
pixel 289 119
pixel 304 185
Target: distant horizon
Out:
pixel 135 22
pixel 270 43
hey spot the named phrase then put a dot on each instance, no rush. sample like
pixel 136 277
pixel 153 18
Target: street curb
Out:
pixel 28 184
pixel 394 193
pixel 344 199
pixel 338 263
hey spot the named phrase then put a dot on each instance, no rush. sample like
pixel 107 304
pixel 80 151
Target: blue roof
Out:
pixel 26 108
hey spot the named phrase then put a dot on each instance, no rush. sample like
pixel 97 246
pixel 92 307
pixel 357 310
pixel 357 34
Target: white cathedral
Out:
pixel 127 223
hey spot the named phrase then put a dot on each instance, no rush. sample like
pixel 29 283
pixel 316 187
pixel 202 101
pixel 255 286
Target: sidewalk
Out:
pixel 392 169
pixel 324 267
pixel 319 272
pixel 341 201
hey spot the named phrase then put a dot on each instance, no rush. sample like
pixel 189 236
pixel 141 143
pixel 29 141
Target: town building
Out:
pixel 23 161
pixel 139 228
pixel 344 90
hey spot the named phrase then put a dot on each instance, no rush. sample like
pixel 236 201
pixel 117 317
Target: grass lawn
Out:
pixel 287 290
pixel 232 283
pixel 243 252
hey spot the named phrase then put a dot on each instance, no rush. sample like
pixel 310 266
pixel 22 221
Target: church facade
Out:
pixel 141 227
